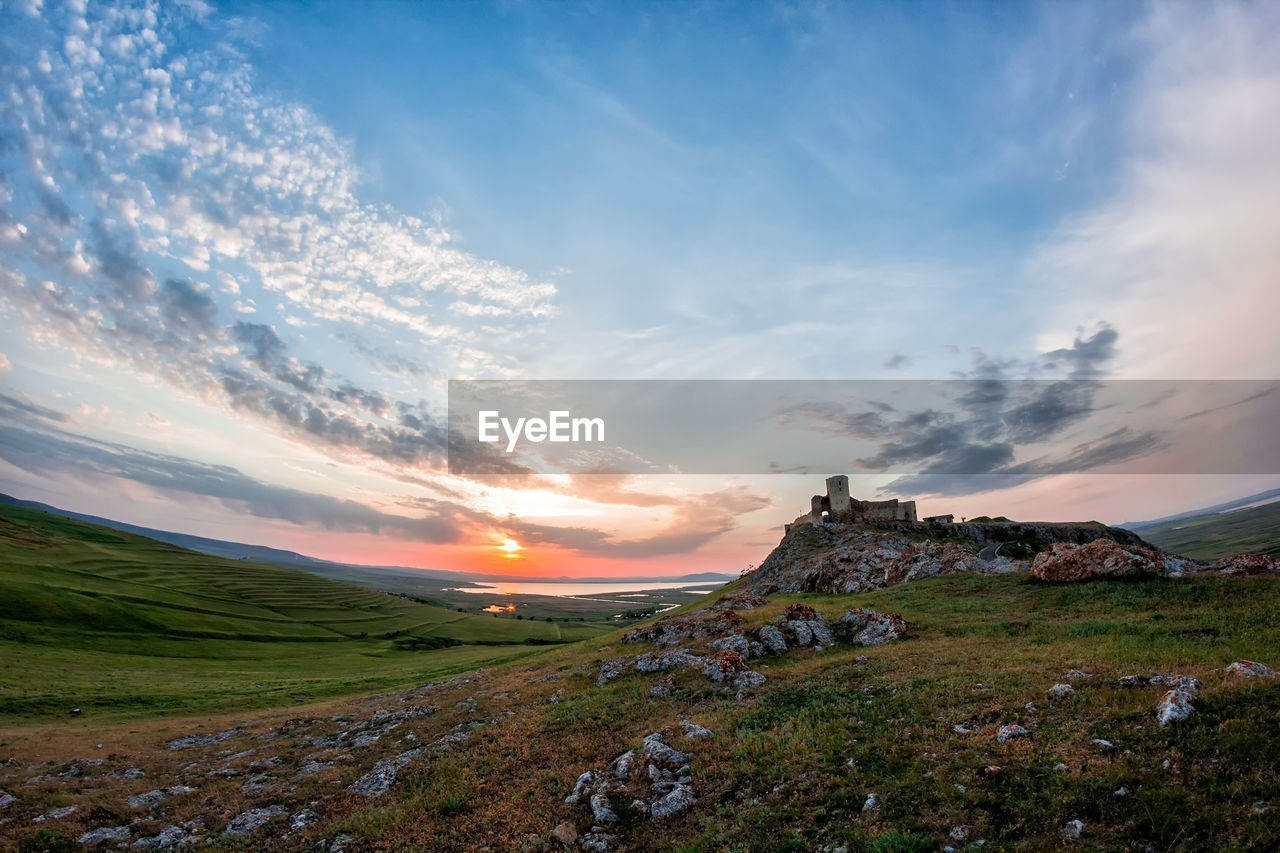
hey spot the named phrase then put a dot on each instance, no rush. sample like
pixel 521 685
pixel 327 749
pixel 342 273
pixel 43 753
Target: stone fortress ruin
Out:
pixel 837 507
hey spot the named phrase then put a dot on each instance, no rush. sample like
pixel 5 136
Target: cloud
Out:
pixel 150 188
pixel 1181 255
pixel 695 521
pixel 186 306
pixel 12 407
pixel 1086 358
pixel 33 438
pixel 896 361
pixel 56 453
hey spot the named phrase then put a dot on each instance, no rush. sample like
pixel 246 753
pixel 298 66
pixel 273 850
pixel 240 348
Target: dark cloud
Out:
pixel 1120 445
pixel 186 307
pixel 1053 408
pixel 896 361
pixel 1086 358
pixel 119 261
pixel 261 344
pixel 1241 402
pixel 52 452
pixel 15 407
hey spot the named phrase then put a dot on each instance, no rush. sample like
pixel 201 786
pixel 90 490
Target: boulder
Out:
pixel 771 638
pixel 1011 731
pixel 723 665
pixel 611 669
pixel 733 643
pixel 667 660
pixel 874 628
pixel 677 800
pixel 1064 562
pixel 167 839
pixel 694 731
pixel 739 601
pixel 1247 564
pixel 1251 669
pixel 252 820
pixel 1176 704
pixel 104 835
pixel 565 834
pixel 672 630
pixel 202 740
pixel 383 775
pixel 747 681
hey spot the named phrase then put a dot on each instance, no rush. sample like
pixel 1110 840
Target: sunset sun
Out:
pixel 511 546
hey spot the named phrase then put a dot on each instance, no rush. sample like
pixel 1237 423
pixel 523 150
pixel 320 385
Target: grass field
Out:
pixel 112 622
pixel 791 769
pixel 1243 531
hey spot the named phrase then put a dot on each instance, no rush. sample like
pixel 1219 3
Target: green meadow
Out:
pixel 118 624
pixel 1255 530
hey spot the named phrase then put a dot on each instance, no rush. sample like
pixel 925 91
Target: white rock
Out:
pixel 693 730
pixel 679 799
pixel 1251 669
pixel 1009 732
pixel 1176 704
pixel 104 834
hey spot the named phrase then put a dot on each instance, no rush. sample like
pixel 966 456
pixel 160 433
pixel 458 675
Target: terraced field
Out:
pixel 101 619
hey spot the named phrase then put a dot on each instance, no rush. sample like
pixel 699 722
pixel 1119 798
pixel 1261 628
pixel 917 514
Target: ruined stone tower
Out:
pixel 838 501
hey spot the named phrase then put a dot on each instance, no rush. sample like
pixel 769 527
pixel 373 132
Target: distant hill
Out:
pixel 1261 497
pixel 94 615
pixel 1213 533
pixel 349 572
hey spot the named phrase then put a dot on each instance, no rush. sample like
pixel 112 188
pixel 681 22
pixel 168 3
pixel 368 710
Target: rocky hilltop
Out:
pixel 849 558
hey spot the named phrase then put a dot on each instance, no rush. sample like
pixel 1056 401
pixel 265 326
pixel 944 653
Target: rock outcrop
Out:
pixel 1065 562
pixel 848 558
pixel 1248 564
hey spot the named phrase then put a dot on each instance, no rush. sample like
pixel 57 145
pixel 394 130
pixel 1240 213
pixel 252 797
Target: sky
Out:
pixel 244 247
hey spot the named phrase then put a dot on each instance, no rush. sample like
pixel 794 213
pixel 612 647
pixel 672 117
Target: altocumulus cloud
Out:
pixel 145 184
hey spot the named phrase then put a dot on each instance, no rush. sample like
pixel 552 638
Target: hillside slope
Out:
pixel 128 622
pixel 1255 530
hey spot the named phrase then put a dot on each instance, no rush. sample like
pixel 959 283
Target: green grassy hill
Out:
pixel 1243 531
pixel 98 618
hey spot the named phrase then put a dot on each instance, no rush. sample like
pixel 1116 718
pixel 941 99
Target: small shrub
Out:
pixel 451 805
pixel 898 841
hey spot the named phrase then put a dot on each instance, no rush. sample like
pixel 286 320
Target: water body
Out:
pixel 562 588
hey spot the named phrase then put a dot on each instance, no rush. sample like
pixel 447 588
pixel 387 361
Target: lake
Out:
pixel 568 588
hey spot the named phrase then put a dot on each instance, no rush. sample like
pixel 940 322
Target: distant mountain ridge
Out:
pixel 1271 494
pixel 294 560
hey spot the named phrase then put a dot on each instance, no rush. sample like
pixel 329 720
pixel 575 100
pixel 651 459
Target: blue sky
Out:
pixel 244 245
